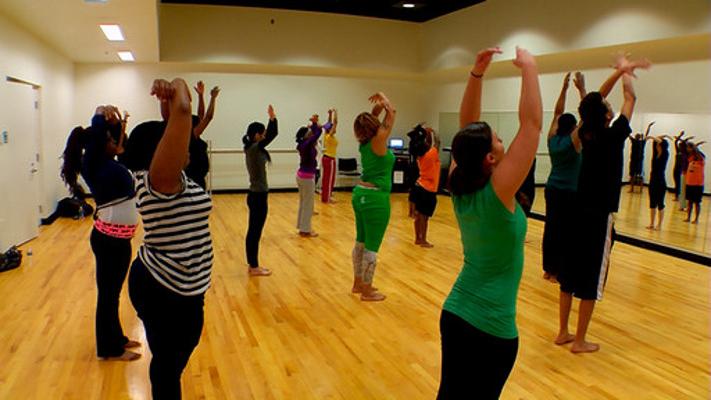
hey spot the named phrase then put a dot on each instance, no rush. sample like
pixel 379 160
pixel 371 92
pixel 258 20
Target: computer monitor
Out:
pixel 396 143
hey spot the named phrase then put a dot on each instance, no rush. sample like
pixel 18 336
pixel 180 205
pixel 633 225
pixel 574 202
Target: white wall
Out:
pixel 243 99
pixel 25 57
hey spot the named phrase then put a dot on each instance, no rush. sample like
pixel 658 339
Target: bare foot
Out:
pixel 126 356
pixel 546 276
pixel 650 227
pixel 308 234
pixel 426 245
pixel 585 347
pixel 373 295
pixel 686 220
pixel 259 271
pixel 564 338
pixel 696 221
pixel 131 344
pixel 358 289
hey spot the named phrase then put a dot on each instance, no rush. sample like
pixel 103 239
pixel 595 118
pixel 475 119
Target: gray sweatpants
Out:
pixel 306 203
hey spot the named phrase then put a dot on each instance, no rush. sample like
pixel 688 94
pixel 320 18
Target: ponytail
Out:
pixel 72 156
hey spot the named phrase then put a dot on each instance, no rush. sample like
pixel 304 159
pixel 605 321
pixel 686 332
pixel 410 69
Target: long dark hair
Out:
pixel 469 148
pixel 248 138
pixel 593 113
pixel 566 124
pixel 301 134
pixel 72 155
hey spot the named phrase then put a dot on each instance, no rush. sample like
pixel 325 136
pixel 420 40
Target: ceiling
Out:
pixel 424 10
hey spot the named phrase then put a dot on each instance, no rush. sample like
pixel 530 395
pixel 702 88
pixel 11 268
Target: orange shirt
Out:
pixel 695 172
pixel 429 166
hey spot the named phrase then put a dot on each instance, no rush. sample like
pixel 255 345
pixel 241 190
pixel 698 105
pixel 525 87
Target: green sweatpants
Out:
pixel 372 214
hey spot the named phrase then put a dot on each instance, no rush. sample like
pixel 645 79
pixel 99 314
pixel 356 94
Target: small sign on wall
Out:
pixel 399 177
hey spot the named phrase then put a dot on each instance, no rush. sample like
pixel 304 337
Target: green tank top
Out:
pixel 377 170
pixel 492 237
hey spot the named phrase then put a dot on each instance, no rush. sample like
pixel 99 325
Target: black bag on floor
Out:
pixel 11 259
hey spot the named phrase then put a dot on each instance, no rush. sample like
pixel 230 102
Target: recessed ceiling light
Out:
pixel 126 56
pixel 112 32
pixel 408 5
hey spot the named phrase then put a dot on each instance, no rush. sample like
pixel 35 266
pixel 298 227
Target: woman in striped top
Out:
pixel 112 187
pixel 171 274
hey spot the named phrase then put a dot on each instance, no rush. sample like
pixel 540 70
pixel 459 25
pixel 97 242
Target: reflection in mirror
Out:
pixel 633 216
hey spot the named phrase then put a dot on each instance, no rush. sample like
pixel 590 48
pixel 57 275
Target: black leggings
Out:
pixel 258 207
pixel 113 256
pixel 475 365
pixel 173 325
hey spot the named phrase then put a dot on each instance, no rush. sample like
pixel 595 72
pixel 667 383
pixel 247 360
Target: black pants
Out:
pixel 113 256
pixel 559 230
pixel 475 365
pixel 173 325
pixel 258 207
pixel 677 179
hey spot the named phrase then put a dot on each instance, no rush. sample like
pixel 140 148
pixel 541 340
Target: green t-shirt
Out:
pixel 565 164
pixel 377 170
pixel 492 237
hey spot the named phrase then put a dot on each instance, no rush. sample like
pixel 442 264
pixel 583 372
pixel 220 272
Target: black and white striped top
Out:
pixel 177 248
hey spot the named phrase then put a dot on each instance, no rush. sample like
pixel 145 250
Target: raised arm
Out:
pixel 379 141
pixel 630 96
pixel 272 128
pixel 200 89
pixel 514 167
pixel 172 151
pixel 649 127
pixel 622 66
pixel 470 108
pixel 205 121
pixel 579 82
pixel 559 105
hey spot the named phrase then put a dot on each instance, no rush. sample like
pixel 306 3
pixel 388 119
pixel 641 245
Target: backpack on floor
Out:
pixel 11 259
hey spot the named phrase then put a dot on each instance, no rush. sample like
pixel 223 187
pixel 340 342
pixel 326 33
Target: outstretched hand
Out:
pixel 162 89
pixel 523 58
pixel 200 88
pixel 270 111
pixel 483 59
pixel 624 64
pixel 579 80
pixel 566 81
pixel 215 91
pixel 379 99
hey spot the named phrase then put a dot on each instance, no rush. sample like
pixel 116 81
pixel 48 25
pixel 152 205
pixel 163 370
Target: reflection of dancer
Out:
pixel 478 321
pixel 112 186
pixel 694 180
pixel 636 166
pixel 658 181
pixel 562 185
pixel 255 142
pixel 371 197
pixel 598 198
pixel 171 274
pixel 679 157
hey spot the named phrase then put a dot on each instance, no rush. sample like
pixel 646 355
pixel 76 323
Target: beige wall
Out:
pixel 25 57
pixel 239 35
pixel 555 26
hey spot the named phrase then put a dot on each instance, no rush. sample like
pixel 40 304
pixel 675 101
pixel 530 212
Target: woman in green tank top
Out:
pixel 478 322
pixel 371 197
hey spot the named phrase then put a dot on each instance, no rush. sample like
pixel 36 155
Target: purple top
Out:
pixel 307 149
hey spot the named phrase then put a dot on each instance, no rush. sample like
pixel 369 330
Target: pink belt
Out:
pixel 119 231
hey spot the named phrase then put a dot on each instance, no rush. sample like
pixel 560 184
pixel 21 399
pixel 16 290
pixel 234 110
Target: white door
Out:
pixel 19 133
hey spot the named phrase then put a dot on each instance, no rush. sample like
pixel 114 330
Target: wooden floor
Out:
pixel 300 334
pixel 633 218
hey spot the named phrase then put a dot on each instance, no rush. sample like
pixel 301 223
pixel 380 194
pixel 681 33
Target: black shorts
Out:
pixel 656 195
pixel 586 274
pixel 425 201
pixel 559 230
pixel 694 193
